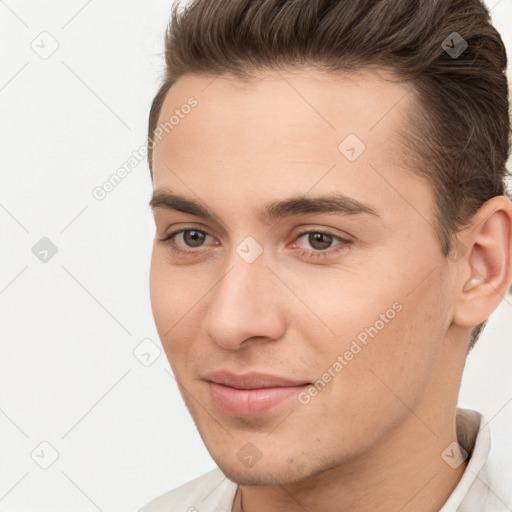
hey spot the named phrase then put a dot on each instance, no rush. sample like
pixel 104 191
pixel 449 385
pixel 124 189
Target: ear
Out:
pixel 485 271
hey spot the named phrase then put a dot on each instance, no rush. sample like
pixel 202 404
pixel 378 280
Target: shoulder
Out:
pixel 207 493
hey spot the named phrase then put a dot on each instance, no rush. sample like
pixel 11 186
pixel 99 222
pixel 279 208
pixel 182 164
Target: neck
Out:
pixel 403 471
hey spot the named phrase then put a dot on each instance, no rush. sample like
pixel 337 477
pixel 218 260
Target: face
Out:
pixel 308 291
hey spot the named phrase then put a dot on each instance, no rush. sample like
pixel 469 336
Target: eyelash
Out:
pixel 169 240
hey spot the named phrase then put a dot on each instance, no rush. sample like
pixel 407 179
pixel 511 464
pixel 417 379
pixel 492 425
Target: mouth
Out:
pixel 251 394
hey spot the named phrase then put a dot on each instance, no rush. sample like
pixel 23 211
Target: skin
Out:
pixel 372 439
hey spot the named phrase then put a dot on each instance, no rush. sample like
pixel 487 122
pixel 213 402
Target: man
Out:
pixel 332 232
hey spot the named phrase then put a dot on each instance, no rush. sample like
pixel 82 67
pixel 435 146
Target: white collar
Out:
pixel 474 492
pixel 473 435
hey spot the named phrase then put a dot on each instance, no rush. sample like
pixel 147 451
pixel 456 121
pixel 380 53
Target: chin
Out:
pixel 266 472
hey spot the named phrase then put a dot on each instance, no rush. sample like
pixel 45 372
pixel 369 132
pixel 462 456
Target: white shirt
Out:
pixel 213 492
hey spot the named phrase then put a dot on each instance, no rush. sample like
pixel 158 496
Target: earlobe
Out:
pixel 489 254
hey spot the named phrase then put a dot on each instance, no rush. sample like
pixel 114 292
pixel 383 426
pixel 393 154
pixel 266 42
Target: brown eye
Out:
pixel 186 241
pixel 193 238
pixel 320 241
pixel 321 244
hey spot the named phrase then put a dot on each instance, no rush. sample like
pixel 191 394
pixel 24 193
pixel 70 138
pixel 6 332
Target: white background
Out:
pixel 68 375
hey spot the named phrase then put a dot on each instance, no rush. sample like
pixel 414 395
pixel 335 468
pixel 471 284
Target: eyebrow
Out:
pixel 337 203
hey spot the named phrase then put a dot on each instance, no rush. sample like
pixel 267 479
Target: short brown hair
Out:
pixel 458 137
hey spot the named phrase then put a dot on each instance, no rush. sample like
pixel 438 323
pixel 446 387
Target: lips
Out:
pixel 251 394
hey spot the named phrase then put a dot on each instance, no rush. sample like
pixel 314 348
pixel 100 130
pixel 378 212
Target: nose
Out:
pixel 244 305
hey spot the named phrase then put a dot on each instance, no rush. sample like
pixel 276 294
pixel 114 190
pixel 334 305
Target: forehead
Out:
pixel 295 113
pixel 284 132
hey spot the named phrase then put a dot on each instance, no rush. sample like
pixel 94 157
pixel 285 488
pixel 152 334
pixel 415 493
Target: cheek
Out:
pixel 391 364
pixel 177 296
pixel 169 297
pixel 372 380
pixel 160 291
pixel 388 339
pixel 338 308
